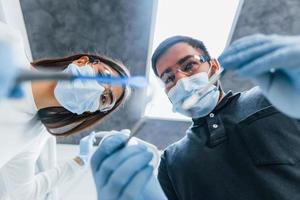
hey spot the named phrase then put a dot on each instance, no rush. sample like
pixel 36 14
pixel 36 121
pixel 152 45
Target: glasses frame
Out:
pixel 201 58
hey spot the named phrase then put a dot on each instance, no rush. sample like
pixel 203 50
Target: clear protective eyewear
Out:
pixel 189 67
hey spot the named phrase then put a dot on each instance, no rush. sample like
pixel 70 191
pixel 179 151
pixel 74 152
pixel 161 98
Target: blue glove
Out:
pixel 124 173
pixel 273 63
pixel 85 148
pixel 12 56
pixel 7 80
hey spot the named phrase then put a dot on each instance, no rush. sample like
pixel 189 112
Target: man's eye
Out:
pixel 168 80
pixel 188 67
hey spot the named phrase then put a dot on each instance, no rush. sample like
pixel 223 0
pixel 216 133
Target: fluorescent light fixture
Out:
pixel 211 21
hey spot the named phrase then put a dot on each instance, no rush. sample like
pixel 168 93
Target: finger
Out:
pixel 280 58
pixel 112 162
pixel 84 145
pixel 282 94
pixel 107 147
pixel 137 184
pixel 125 131
pixel 244 43
pixel 249 40
pixel 126 171
pixel 92 136
pixel 241 58
pixel 263 81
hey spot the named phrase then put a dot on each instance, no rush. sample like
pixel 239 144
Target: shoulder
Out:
pixel 175 150
pixel 250 102
pixel 254 95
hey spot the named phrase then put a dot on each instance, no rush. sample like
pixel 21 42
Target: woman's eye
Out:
pixel 103 99
pixel 107 97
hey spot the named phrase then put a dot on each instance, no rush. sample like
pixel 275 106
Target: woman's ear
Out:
pixel 83 60
pixel 215 66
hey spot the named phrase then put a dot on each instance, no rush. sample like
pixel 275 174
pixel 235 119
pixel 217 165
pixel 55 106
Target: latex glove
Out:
pixel 85 148
pixel 273 63
pixel 8 75
pixel 124 173
pixel 12 56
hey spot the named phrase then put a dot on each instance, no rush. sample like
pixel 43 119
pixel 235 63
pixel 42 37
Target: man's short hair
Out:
pixel 169 42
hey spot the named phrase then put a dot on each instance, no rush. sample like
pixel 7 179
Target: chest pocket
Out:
pixel 270 137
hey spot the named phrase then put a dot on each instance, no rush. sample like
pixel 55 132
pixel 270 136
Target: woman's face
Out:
pixel 112 92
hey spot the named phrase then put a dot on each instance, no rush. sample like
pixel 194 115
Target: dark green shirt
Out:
pixel 245 149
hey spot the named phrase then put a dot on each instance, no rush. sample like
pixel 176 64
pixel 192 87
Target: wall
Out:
pixel 117 28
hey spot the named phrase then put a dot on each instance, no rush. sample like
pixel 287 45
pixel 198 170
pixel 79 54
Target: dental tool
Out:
pixel 130 134
pixel 102 134
pixel 28 75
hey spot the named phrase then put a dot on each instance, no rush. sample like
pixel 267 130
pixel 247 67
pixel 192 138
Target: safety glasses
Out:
pixel 190 66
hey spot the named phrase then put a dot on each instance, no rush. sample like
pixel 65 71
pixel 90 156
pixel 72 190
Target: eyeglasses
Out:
pixel 189 67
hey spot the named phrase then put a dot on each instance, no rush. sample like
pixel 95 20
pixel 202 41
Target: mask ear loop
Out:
pixel 209 71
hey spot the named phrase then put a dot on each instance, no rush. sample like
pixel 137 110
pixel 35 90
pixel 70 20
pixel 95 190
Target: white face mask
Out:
pixel 188 86
pixel 79 96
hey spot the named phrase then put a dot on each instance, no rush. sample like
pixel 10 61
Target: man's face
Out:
pixel 172 59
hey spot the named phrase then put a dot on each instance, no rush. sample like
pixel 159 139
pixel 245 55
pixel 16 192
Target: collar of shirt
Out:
pixel 223 103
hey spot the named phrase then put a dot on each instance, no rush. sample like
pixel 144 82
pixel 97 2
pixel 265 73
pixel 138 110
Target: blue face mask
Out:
pixel 187 86
pixel 79 96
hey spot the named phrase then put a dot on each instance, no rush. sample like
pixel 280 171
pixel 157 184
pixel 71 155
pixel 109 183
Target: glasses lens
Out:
pixel 168 79
pixel 190 66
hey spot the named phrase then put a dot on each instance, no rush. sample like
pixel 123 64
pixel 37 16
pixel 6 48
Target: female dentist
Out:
pixel 63 108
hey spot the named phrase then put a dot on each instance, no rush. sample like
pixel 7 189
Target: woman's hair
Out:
pixel 61 122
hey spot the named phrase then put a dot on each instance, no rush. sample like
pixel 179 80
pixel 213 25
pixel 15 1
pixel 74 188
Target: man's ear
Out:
pixel 215 66
pixel 83 60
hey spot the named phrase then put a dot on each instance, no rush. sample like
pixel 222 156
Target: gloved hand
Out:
pixel 124 173
pixel 12 56
pixel 7 76
pixel 273 63
pixel 85 148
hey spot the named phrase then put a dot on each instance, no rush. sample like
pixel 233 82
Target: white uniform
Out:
pixel 21 144
pixel 14 114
